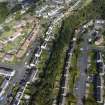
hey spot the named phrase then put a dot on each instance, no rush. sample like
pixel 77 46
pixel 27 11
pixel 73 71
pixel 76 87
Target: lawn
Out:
pixel 86 2
pixel 6 34
pixel 44 56
pixel 1 80
pixel 13 45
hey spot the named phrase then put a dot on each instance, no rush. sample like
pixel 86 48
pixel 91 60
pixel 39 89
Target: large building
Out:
pixel 59 2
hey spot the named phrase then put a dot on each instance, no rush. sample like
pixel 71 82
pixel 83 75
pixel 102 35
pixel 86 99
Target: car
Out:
pixel 76 88
pixel 27 70
pixel 22 81
pixel 27 54
pixel 15 102
pixel 1 98
pixel 74 39
pixel 81 49
pixel 18 95
pixel 86 71
pixel 7 78
pixel 70 54
pixel 10 95
pixel 32 65
pixel 25 63
pixel 21 89
pixel 25 76
pixel 90 40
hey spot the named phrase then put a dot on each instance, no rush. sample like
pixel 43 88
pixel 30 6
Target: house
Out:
pixel 99 40
pixel 1 28
pixel 100 21
pixel 8 57
pixel 1 47
pixel 99 24
pixel 27 97
pixel 20 24
pixel 2 54
pixel 98 86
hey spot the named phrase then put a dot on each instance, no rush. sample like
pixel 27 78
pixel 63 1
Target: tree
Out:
pixel 18 16
pixel 90 101
pixel 6 28
pixel 71 99
pixel 3 11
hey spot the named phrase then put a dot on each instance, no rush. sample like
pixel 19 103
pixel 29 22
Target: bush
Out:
pixel 3 11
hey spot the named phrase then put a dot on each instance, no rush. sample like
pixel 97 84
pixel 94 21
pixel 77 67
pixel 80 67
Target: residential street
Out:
pixel 82 65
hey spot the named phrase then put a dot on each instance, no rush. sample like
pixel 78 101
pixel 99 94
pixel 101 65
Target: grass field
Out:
pixel 1 80
pixel 3 11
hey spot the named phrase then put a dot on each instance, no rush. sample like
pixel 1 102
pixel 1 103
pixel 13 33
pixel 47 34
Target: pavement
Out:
pixel 82 65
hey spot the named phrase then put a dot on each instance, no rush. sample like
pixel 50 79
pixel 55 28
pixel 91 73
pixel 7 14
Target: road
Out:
pixel 82 65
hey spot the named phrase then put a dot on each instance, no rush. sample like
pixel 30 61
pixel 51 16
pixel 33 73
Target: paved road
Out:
pixel 82 64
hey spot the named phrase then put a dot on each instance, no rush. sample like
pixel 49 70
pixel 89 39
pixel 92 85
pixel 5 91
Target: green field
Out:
pixel 1 80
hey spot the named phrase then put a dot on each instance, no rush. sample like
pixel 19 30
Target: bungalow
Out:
pixel 8 57
pixel 2 54
pixel 98 86
pixel 20 24
pixel 99 40
pixel 1 47
pixel 1 28
pixel 99 24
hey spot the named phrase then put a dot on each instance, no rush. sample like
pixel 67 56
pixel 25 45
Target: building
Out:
pixel 59 2
pixel 98 87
